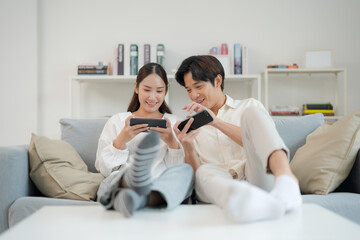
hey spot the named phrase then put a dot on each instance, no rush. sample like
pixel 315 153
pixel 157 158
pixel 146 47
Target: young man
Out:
pixel 240 161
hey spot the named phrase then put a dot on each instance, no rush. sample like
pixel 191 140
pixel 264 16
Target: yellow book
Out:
pixel 318 111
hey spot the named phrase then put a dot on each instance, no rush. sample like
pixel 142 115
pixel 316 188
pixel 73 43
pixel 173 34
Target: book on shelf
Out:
pixel 325 114
pixel 285 111
pixel 133 59
pixel 120 59
pixel 318 111
pixel 160 54
pixel 95 69
pixel 237 59
pixel 325 106
pixel 245 60
pixel 147 53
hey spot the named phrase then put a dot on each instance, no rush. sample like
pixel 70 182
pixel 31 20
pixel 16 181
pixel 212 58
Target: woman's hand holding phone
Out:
pixel 128 133
pixel 166 134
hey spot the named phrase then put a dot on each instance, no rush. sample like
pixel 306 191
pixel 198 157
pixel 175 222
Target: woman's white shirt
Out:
pixel 110 159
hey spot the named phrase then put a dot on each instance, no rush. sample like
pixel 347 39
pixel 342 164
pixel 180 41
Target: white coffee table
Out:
pixel 201 222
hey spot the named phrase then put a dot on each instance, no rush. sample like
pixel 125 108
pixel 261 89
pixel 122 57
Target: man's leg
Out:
pixel 240 200
pixel 266 152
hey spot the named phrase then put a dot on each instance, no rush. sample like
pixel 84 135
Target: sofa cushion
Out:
pixel 326 159
pixel 58 171
pixel 83 135
pixel 344 204
pixel 25 206
pixel 294 130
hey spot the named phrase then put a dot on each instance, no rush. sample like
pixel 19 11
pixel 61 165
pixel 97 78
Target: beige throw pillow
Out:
pixel 326 159
pixel 58 171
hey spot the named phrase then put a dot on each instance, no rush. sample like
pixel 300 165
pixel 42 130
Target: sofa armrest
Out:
pixel 14 179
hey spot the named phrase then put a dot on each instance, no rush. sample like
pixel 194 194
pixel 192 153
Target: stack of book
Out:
pixel 240 58
pixel 94 69
pixel 284 111
pixel 324 108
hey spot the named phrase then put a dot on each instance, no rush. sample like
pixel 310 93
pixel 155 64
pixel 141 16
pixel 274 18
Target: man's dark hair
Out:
pixel 203 68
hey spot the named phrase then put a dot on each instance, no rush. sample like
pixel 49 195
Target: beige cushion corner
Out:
pixel 58 171
pixel 326 159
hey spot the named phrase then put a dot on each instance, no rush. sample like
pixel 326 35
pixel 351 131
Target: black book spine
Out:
pixel 319 106
pixel 120 59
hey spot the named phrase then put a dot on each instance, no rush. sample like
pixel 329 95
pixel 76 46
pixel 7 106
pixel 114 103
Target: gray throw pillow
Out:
pixel 294 130
pixel 83 135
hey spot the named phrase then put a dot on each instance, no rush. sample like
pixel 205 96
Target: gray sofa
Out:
pixel 19 197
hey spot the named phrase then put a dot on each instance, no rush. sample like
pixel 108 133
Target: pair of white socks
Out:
pixel 247 203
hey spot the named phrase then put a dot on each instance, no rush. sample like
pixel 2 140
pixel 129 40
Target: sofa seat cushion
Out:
pixel 344 204
pixel 25 206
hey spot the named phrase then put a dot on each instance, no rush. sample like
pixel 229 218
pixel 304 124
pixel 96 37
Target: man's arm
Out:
pixel 187 141
pixel 230 130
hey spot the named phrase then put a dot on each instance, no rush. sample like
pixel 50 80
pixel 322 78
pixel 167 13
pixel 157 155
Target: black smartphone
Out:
pixel 200 119
pixel 150 121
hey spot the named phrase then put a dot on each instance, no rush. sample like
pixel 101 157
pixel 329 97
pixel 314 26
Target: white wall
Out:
pixel 18 71
pixel 278 31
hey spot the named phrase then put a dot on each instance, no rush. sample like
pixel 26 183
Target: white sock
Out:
pixel 248 203
pixel 287 191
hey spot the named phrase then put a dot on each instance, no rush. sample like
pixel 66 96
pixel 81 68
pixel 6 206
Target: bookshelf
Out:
pixel 272 73
pixel 173 98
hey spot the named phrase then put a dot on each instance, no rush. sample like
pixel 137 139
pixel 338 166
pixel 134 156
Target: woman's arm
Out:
pixel 112 151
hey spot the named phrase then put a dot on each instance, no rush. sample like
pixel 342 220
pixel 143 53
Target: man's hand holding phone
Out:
pixel 200 119
pixel 196 107
pixel 186 139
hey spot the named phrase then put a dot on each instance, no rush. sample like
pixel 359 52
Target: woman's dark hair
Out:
pixel 203 68
pixel 145 71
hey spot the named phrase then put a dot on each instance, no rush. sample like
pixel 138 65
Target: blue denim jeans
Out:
pixel 175 185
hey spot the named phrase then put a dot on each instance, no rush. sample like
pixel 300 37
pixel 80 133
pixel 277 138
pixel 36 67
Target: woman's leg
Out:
pixel 174 185
pixel 128 189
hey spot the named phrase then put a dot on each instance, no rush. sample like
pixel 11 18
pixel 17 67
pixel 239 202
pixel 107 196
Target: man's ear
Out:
pixel 218 80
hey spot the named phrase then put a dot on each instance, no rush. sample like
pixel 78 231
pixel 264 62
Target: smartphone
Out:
pixel 200 119
pixel 150 121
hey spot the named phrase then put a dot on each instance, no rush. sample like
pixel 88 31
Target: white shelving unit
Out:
pixel 336 71
pixel 75 82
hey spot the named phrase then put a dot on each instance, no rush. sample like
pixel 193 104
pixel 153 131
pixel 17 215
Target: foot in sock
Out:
pixel 248 203
pixel 128 201
pixel 287 191
pixel 138 176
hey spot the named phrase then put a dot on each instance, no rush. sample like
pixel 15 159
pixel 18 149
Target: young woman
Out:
pixel 143 166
